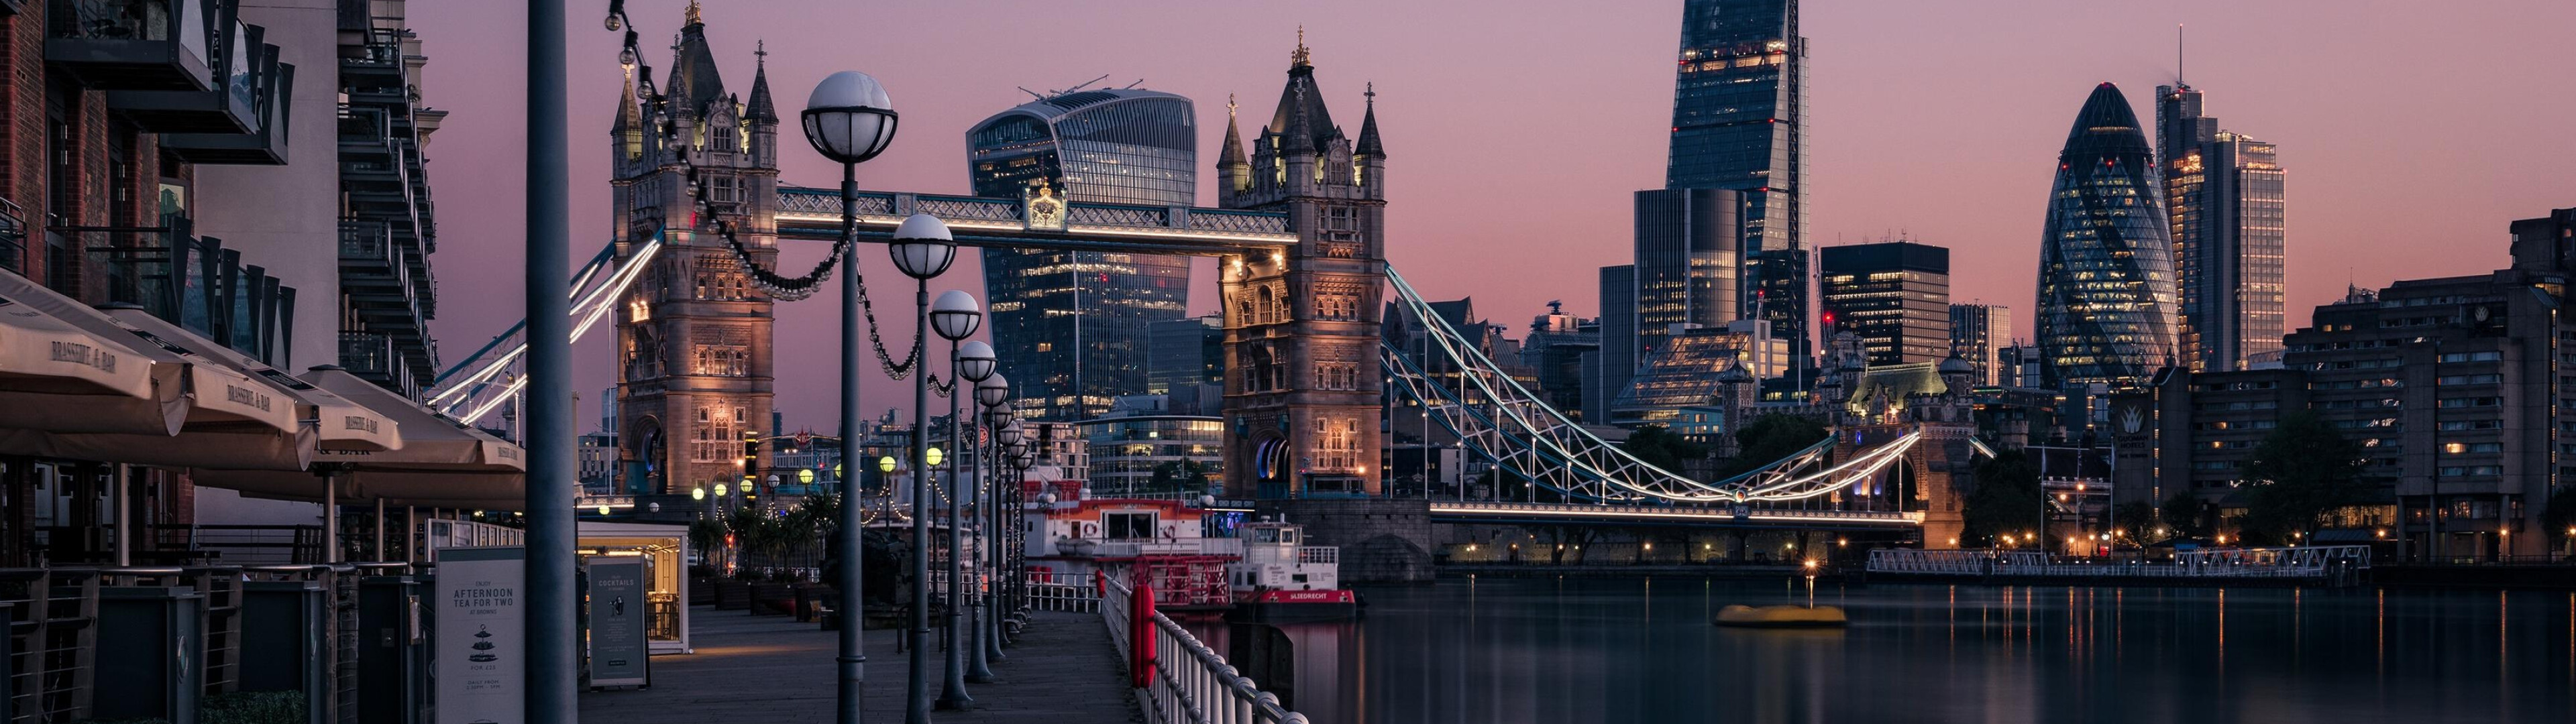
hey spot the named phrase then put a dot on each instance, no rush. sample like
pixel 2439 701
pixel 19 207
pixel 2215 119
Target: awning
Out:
pixel 442 463
pixel 340 424
pixel 59 377
pixel 230 418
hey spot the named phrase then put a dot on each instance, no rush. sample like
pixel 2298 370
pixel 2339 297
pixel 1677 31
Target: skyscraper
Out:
pixel 1685 261
pixel 1978 334
pixel 1895 295
pixel 1070 328
pixel 1738 115
pixel 1618 359
pixel 2224 193
pixel 2106 281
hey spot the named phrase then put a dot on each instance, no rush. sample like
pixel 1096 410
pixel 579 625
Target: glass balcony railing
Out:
pixel 134 44
pixel 13 237
pixel 245 69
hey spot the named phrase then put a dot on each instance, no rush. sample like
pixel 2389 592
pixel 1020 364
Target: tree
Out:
pixel 2182 514
pixel 1769 438
pixel 2135 519
pixel 1661 447
pixel 2298 473
pixel 2006 500
pixel 1178 475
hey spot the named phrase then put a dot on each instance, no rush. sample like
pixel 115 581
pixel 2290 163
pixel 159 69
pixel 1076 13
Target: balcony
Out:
pixel 265 146
pixel 134 44
pixel 13 236
pixel 246 68
pixel 373 357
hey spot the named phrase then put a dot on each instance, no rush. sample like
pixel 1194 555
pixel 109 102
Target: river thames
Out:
pixel 1547 649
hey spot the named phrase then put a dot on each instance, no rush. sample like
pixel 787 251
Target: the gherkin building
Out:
pixel 2106 269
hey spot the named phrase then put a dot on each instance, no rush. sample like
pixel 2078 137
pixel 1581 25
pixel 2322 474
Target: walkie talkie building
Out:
pixel 1071 328
pixel 2106 270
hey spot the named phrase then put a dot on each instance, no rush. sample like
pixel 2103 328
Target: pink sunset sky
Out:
pixel 2412 132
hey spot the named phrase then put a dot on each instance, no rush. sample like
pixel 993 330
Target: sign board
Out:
pixel 618 648
pixel 482 642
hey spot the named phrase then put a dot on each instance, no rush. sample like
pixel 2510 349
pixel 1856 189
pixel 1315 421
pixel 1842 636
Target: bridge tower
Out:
pixel 693 335
pixel 1301 325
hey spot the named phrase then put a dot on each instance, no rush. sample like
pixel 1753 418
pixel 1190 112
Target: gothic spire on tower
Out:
pixel 1368 143
pixel 762 108
pixel 1233 152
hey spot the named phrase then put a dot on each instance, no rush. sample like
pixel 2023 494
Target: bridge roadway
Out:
pixel 1749 517
pixel 773 670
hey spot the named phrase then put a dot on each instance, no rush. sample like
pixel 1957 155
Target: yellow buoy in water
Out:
pixel 1781 616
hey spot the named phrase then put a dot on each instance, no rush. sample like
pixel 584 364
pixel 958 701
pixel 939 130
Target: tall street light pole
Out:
pixel 922 248
pixel 955 316
pixel 550 603
pixel 1006 431
pixel 975 365
pixel 849 119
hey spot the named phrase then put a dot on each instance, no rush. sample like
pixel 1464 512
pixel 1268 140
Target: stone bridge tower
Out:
pixel 693 336
pixel 1301 325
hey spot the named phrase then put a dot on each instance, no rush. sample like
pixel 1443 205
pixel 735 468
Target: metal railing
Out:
pixel 2299 562
pixel 1189 683
pixel 1062 592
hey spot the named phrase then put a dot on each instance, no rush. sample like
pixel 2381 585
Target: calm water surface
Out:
pixel 1544 649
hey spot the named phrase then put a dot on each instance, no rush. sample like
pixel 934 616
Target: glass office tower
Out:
pixel 2225 197
pixel 1895 295
pixel 1071 329
pixel 1738 111
pixel 2106 271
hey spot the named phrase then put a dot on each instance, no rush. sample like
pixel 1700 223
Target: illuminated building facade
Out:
pixel 1895 295
pixel 1072 329
pixel 2224 194
pixel 1738 121
pixel 1979 333
pixel 2106 273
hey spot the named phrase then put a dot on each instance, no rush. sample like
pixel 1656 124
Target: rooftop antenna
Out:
pixel 1079 86
pixel 1139 81
pixel 2178 57
pixel 1032 94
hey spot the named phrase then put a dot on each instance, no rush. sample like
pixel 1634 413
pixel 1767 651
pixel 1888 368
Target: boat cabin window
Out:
pixel 1117 526
pixel 1275 535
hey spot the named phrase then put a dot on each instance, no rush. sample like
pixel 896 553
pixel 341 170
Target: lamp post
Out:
pixel 1021 458
pixel 921 248
pixel 849 119
pixel 990 393
pixel 1004 434
pixel 955 316
pixel 975 364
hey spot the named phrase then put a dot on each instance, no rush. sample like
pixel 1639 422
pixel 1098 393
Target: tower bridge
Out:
pixel 1300 236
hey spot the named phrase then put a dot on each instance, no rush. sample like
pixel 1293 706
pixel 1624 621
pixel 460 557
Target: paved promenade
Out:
pixel 773 670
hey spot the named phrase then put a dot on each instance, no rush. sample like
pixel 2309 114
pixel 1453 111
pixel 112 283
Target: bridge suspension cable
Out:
pixel 1507 425
pixel 474 387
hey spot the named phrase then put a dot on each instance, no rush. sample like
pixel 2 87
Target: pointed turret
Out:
pixel 1368 144
pixel 628 118
pixel 762 108
pixel 694 81
pixel 1234 170
pixel 1298 134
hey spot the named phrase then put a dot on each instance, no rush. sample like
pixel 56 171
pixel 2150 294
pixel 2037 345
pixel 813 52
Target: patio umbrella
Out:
pixel 59 376
pixel 226 416
pixel 442 463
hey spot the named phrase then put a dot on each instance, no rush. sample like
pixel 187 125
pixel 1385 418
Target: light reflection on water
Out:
pixel 1545 649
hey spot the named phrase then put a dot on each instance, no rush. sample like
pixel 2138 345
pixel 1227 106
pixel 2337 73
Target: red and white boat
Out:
pixel 1264 571
pixel 1280 578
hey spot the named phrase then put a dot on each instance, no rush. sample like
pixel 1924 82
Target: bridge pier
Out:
pixel 1382 540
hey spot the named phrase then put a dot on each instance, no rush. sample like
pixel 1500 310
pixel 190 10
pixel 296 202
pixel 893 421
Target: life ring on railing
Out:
pixel 1088 530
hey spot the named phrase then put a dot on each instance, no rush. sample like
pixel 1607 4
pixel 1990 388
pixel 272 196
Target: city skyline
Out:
pixel 1872 171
